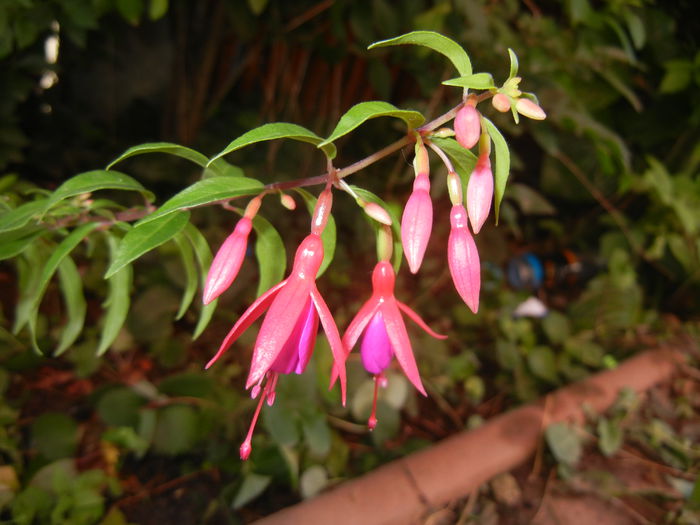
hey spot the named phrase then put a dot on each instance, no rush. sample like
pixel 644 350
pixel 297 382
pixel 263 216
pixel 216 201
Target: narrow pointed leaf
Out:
pixel 204 192
pixel 203 255
pixel 118 300
pixel 329 234
pixel 513 63
pixel 187 256
pixel 271 255
pixel 162 147
pixel 502 166
pixel 462 159
pixel 93 181
pixel 364 111
pixel 475 81
pixel 71 284
pixel 272 131
pixel 143 238
pixel 21 215
pixel 436 42
pixel 12 247
pixel 29 276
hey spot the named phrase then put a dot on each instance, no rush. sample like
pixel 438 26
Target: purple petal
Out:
pixel 297 350
pixel 376 350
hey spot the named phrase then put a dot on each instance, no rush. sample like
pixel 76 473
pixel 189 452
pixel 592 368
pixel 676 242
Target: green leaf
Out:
pixel 462 159
pixel 10 248
pixel 163 147
pixel 257 6
pixel 475 81
pixel 29 275
pixel 312 481
pixel 360 113
pixel 57 255
pixel 541 361
pixel 253 485
pixel 21 215
pixel 96 180
pixel 54 435
pixel 397 252
pixel 271 254
pixel 177 429
pixel 118 300
pixel 502 166
pixel 436 42
pixel 329 234
pixel 143 238
pixel 71 283
pixel 204 192
pixel 513 63
pixel 276 130
pixel 564 442
pixel 157 9
pixel 317 434
pixel 187 256
pixel 556 326
pixel 204 257
pixel 609 436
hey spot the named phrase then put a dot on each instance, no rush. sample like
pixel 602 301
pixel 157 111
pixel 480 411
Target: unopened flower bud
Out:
pixel 467 126
pixel 480 193
pixel 500 102
pixel 224 268
pixel 529 109
pixel 421 162
pixel 288 201
pixel 417 222
pixel 378 213
pixel 463 259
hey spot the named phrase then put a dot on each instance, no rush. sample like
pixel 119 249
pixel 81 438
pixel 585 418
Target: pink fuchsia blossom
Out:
pixel 529 109
pixel 480 192
pixel 383 332
pixel 288 333
pixel 227 262
pixel 417 222
pixel 467 126
pixel 463 258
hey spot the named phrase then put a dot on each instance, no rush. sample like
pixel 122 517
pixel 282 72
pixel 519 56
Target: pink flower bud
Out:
pixel 288 201
pixel 463 258
pixel 480 193
pixel 468 126
pixel 500 102
pixel 417 222
pixel 378 213
pixel 529 109
pixel 224 268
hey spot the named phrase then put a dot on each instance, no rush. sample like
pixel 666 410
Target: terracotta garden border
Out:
pixel 406 489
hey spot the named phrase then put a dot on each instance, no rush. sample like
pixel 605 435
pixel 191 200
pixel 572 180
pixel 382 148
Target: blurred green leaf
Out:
pixel 270 253
pixel 10 248
pixel 502 167
pixel 117 302
pixel 21 215
pixel 205 192
pixel 71 285
pixel 541 361
pixel 317 434
pixel 144 237
pixel 609 436
pixel 556 326
pixel 120 407
pixel 436 42
pixel 282 424
pixel 157 9
pixel 312 481
pixel 253 485
pixel 257 6
pixel 564 442
pixel 204 257
pixel 187 257
pixel 276 130
pixel 362 112
pixel 177 429
pixel 54 435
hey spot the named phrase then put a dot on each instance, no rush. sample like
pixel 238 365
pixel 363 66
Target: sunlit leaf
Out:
pixel 475 81
pixel 163 147
pixel 272 131
pixel 143 238
pixel 436 42
pixel 204 192
pixel 117 302
pixel 329 234
pixel 502 166
pixel 364 111
pixel 71 284
pixel 271 254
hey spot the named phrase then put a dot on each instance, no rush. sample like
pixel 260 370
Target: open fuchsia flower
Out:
pixel 288 333
pixel 383 332
pixel 480 191
pixel 417 218
pixel 467 126
pixel 463 258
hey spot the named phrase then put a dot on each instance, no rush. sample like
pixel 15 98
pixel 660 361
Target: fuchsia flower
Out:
pixel 463 258
pixel 480 192
pixel 467 126
pixel 227 262
pixel 417 222
pixel 385 334
pixel 288 333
